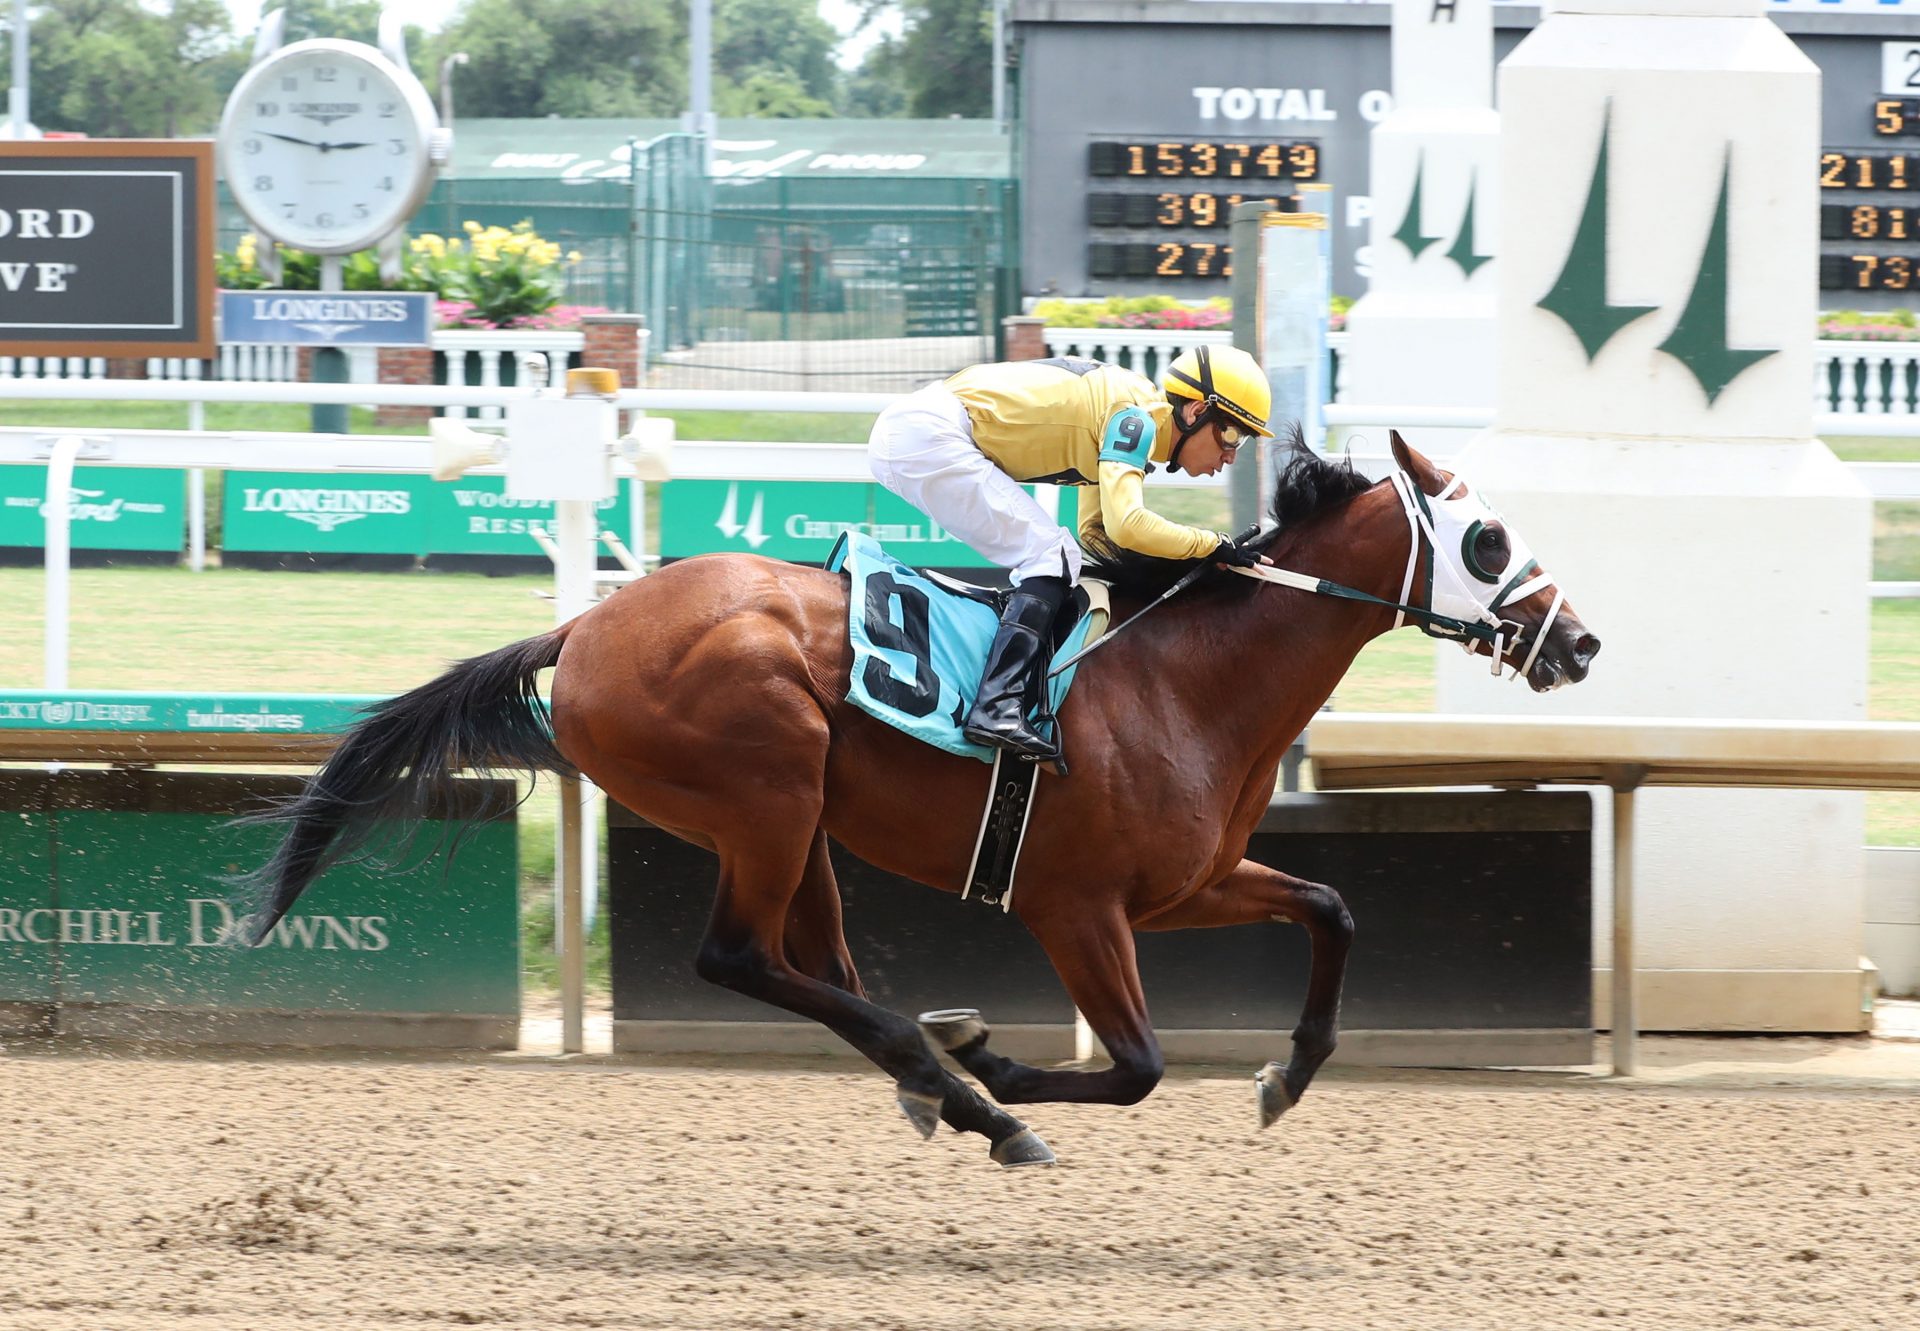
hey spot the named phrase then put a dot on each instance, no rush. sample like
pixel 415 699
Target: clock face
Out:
pixel 324 146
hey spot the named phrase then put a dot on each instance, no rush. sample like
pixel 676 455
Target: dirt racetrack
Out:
pixel 163 1193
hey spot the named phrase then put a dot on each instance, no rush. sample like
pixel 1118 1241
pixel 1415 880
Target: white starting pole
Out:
pixel 1654 430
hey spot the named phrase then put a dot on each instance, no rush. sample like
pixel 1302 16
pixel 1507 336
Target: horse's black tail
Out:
pixel 484 713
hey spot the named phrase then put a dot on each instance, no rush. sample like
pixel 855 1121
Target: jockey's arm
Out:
pixel 1117 509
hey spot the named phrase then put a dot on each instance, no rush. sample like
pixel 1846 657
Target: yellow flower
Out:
pixel 472 228
pixel 573 256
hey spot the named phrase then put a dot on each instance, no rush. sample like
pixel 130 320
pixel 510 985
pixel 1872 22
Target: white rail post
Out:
pixel 569 935
pixel 1625 1016
pixel 197 496
pixel 58 515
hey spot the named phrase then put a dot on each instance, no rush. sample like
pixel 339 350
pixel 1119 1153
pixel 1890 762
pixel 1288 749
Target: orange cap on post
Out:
pixel 587 382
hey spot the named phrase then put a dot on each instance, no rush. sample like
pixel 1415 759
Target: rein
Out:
pixel 1481 623
pixel 1480 620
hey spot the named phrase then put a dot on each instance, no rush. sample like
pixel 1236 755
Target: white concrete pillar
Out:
pixel 1653 440
pixel 1424 332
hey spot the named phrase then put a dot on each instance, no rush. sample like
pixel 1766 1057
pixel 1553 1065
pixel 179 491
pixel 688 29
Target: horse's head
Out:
pixel 1481 576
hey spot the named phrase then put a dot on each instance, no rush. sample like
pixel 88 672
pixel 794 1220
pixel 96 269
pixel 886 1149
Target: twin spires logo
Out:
pixel 1412 231
pixel 755 530
pixel 1698 339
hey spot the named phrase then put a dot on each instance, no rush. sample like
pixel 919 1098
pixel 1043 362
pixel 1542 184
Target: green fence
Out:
pixel 767 260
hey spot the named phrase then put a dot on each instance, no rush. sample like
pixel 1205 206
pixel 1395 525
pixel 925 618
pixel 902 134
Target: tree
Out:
pixel 343 20
pixel 569 58
pixel 118 69
pixel 767 94
pixel 942 64
pixel 878 88
pixel 773 58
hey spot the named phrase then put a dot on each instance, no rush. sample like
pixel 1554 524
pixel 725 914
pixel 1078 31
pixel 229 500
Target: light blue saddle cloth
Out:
pixel 919 649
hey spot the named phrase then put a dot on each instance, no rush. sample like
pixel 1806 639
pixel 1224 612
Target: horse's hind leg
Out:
pixel 815 940
pixel 1253 894
pixel 745 950
pixel 1094 958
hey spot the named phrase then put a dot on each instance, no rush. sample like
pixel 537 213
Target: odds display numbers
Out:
pixel 1182 193
pixel 1167 258
pixel 1168 208
pixel 1870 207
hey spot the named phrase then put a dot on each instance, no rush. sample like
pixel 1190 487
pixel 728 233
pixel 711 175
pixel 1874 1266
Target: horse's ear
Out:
pixel 1423 472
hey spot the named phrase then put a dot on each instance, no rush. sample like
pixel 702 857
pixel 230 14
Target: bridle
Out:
pixel 1463 600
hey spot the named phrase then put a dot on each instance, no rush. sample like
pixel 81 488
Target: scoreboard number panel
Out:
pixel 1171 199
pixel 1870 196
pixel 1205 159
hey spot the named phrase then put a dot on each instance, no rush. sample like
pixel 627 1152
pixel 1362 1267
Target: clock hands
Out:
pixel 309 143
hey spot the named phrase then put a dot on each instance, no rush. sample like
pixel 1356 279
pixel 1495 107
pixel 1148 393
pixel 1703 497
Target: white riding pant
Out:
pixel 922 449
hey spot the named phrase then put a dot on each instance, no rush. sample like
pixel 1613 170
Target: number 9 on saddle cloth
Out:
pixel 920 644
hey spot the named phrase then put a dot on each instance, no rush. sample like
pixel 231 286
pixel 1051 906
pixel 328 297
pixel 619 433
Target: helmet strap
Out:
pixel 1203 394
pixel 1185 432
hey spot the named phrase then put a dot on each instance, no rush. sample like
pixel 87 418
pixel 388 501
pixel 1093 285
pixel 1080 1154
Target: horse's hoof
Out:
pixel 1275 1098
pixel 954 1027
pixel 923 1111
pixel 1023 1148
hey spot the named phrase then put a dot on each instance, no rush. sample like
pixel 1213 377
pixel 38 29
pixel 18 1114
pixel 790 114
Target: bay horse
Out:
pixel 709 698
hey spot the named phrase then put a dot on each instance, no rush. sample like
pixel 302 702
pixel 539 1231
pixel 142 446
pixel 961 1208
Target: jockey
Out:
pixel 958 451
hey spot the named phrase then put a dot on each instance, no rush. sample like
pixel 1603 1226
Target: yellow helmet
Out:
pixel 1227 379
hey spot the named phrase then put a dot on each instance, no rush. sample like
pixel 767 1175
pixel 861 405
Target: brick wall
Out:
pixel 1025 340
pixel 613 343
pixel 405 365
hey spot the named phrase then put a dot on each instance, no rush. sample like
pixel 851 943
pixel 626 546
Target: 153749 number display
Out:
pixel 1204 159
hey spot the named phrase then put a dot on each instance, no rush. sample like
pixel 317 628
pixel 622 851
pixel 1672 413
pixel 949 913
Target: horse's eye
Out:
pixel 1486 551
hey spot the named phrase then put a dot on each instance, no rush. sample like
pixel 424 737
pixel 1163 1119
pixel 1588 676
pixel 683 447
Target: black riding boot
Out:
pixel 1015 664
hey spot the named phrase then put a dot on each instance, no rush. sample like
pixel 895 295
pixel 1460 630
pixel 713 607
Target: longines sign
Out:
pixel 106 248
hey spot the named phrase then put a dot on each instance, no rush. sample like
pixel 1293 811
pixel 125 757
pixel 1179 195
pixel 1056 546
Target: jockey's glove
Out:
pixel 1231 551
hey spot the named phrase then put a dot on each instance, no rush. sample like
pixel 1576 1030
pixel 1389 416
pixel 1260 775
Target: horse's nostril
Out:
pixel 1585 648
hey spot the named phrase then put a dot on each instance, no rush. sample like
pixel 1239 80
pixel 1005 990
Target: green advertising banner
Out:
pixel 387 514
pixel 111 508
pixel 324 513
pixel 473 516
pixel 119 896
pixel 313 713
pixel 800 521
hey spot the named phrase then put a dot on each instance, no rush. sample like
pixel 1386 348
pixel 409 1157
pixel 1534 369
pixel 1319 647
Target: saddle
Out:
pixel 920 643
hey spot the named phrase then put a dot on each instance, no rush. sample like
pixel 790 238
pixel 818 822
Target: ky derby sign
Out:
pixel 106 248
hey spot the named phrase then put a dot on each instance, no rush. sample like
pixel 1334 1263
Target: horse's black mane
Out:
pixel 1307 484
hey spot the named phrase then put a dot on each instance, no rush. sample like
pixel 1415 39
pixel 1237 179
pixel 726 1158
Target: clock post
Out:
pixel 330 363
pixel 329 147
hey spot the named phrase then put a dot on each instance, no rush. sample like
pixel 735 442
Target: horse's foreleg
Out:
pixel 1252 894
pixel 1094 958
pixel 745 950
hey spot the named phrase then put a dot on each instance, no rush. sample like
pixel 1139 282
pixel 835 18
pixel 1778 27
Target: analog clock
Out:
pixel 327 145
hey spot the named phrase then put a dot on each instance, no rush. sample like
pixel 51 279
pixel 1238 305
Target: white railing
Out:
pixel 473 355
pixel 1149 349
pixel 1849 378
pixel 1866 378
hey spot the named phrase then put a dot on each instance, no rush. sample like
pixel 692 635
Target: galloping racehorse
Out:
pixel 710 699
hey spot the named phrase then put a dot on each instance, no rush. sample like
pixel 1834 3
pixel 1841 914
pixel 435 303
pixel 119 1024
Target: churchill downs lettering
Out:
pixel 208 922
